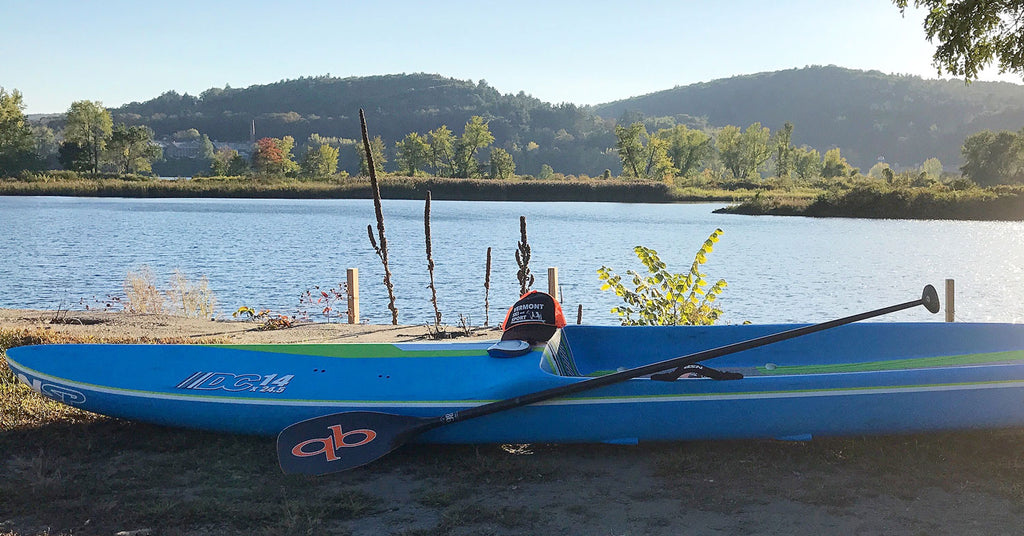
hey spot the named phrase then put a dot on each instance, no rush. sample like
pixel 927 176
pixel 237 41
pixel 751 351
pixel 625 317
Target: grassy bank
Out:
pixel 349 188
pixel 1001 203
pixel 392 187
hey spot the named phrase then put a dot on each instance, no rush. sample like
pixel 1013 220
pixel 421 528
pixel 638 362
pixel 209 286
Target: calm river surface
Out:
pixel 265 253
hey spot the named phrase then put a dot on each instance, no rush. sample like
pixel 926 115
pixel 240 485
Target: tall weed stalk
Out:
pixel 430 262
pixel 526 279
pixel 487 289
pixel 382 250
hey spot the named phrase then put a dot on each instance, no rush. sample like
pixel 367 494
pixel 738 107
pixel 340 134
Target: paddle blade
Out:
pixel 343 441
pixel 930 299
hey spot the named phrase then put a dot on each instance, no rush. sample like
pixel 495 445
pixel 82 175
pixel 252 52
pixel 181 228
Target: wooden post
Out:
pixel 352 288
pixel 579 315
pixel 950 302
pixel 553 283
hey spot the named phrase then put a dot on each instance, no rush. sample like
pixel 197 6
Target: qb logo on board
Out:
pixel 329 445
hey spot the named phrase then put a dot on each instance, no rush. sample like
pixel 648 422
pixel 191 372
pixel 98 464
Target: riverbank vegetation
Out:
pixel 879 199
pixel 656 159
pixel 392 187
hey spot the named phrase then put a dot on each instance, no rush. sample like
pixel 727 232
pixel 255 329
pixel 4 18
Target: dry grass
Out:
pixel 192 300
pixel 141 294
pixel 183 297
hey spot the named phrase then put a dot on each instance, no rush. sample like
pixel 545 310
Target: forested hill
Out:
pixel 566 135
pixel 867 114
pixel 903 119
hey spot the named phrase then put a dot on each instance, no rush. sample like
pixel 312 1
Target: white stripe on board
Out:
pixel 358 404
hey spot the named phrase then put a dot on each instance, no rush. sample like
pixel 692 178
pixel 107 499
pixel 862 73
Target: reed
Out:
pixel 526 279
pixel 430 263
pixel 487 289
pixel 382 251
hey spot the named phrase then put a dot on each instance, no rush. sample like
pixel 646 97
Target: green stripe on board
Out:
pixel 361 350
pixel 898 364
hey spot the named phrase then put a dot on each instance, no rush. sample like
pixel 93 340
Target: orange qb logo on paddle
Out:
pixel 329 445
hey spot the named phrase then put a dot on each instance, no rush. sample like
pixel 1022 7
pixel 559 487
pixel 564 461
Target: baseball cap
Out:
pixel 534 318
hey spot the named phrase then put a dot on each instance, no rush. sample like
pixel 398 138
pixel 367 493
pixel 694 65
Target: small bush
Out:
pixel 665 298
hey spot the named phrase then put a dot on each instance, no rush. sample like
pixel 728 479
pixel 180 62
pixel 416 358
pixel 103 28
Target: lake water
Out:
pixel 265 253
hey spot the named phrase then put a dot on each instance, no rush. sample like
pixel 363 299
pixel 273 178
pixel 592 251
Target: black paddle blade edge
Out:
pixel 930 299
pixel 343 441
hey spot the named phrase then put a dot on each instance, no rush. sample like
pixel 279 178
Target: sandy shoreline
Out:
pixel 957 483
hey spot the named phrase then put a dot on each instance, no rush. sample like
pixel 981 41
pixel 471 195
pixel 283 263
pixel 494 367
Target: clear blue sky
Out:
pixel 585 52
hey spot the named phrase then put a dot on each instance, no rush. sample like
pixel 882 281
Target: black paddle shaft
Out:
pixel 929 298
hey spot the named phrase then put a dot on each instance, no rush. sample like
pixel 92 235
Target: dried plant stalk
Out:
pixel 430 261
pixel 194 300
pixel 487 290
pixel 141 294
pixel 382 251
pixel 523 260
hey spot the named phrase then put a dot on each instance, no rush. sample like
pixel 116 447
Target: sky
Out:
pixel 584 52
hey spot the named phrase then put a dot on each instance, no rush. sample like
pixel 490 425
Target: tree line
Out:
pixel 90 142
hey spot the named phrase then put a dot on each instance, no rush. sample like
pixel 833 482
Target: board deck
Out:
pixel 865 378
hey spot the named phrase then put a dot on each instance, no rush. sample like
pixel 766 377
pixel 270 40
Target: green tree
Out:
pixel 237 165
pixel 413 153
pixel 17 144
pixel 501 163
pixel 221 161
pixel 89 125
pixel 377 150
pixel 442 151
pixel 992 158
pixel 74 157
pixel 877 171
pixel 784 151
pixel 273 156
pixel 320 161
pixel 754 149
pixel 545 172
pixel 835 165
pixel 132 150
pixel 46 144
pixel 475 136
pixel 972 34
pixel 286 145
pixel 730 149
pixel 186 135
pixel 932 168
pixel 685 147
pixel 806 162
pixel 643 156
pixel 206 148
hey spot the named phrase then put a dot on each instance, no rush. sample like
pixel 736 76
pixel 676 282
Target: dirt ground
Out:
pixel 107 324
pixel 72 474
